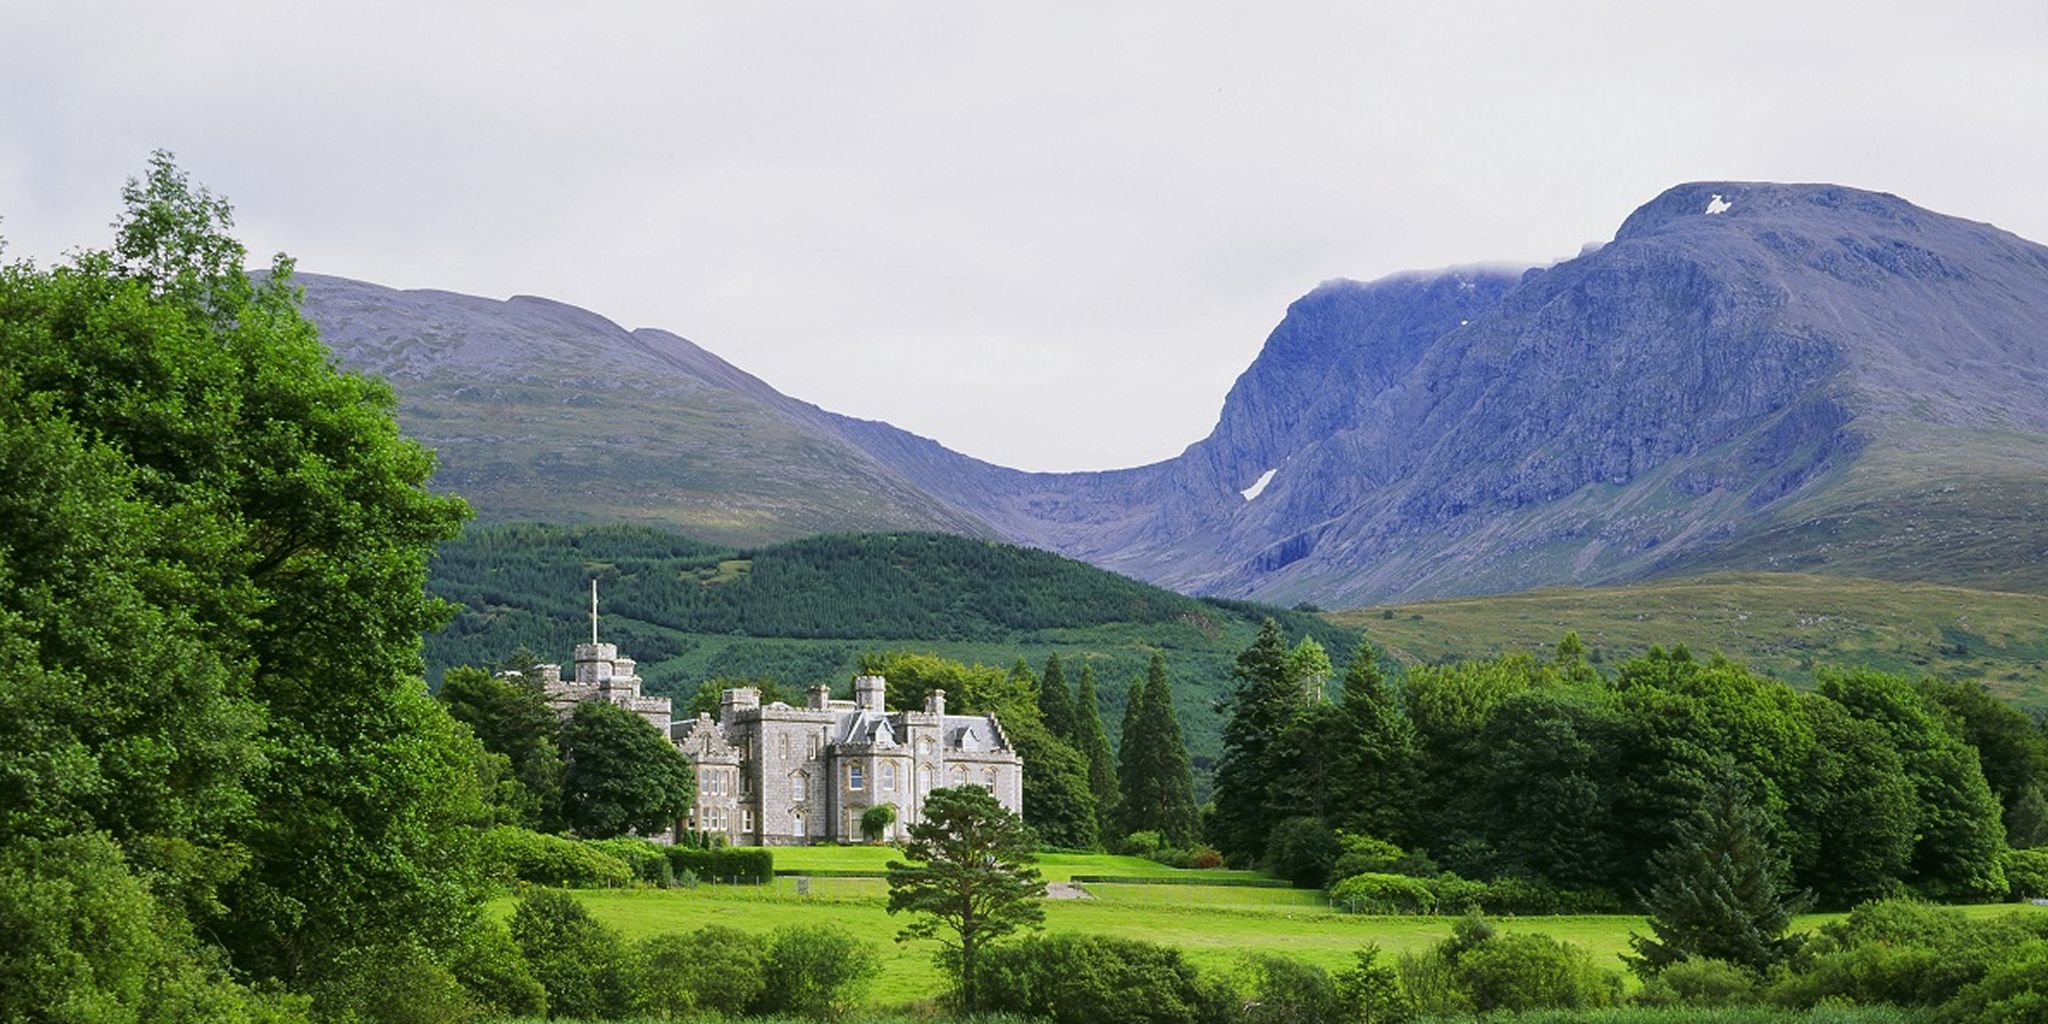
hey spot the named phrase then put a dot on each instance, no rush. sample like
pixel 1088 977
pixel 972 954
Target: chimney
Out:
pixel 821 698
pixel 935 703
pixel 867 692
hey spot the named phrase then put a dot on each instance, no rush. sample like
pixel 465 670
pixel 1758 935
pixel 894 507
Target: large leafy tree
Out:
pixel 1855 808
pixel 1960 835
pixel 2013 749
pixel 511 718
pixel 968 879
pixel 623 775
pixel 220 598
pixel 1715 891
pixel 1157 780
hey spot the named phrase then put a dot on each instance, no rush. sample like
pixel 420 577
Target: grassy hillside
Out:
pixel 803 613
pixel 1783 623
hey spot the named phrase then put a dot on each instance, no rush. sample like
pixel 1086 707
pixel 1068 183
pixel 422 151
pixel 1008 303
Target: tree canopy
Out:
pixel 968 879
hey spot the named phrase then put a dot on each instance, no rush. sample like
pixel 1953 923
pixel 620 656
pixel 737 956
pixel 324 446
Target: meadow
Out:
pixel 1216 926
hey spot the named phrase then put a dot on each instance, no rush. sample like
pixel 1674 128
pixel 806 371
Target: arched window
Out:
pixel 959 776
pixel 924 779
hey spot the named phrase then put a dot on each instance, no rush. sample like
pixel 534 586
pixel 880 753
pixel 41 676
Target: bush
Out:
pixel 1383 894
pixel 1700 981
pixel 750 865
pixel 2013 991
pixel 1365 855
pixel 814 971
pixel 1534 972
pixel 1140 844
pixel 713 970
pixel 1302 850
pixel 1456 895
pixel 2027 872
pixel 1537 898
pixel 1478 969
pixel 1901 952
pixel 490 965
pixel 648 861
pixel 573 956
pixel 521 855
pixel 392 985
pixel 1071 978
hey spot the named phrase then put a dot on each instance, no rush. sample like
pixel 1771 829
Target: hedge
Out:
pixel 751 865
pixel 1247 883
pixel 521 855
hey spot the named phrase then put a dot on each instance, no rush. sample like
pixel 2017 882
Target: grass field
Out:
pixel 1216 926
pixel 1785 624
pixel 1056 867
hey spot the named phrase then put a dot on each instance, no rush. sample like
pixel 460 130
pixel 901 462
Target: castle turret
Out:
pixel 733 701
pixel 867 693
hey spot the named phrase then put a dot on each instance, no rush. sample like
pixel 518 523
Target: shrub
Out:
pixel 714 969
pixel 1534 972
pixel 1383 894
pixel 1901 952
pixel 1699 981
pixel 1537 898
pixel 814 971
pixel 1455 895
pixel 1302 850
pixel 1094 979
pixel 752 865
pixel 648 861
pixel 392 985
pixel 573 956
pixel 2027 872
pixel 490 966
pixel 1361 855
pixel 521 855
pixel 1140 844
pixel 2013 991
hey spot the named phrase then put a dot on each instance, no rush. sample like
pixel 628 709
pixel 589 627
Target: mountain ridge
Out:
pixel 1749 375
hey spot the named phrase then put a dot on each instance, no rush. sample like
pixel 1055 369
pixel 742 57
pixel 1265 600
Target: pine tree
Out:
pixel 1056 703
pixel 1158 783
pixel 1715 890
pixel 1094 743
pixel 1265 702
pixel 1373 758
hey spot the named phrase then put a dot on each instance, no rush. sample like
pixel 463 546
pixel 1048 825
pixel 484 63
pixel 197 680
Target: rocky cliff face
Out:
pixel 1748 375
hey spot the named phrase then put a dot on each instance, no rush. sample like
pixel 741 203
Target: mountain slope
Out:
pixel 544 411
pixel 804 612
pixel 1786 624
pixel 1750 376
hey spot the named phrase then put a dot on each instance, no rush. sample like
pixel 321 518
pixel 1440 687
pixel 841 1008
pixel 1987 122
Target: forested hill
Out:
pixel 803 612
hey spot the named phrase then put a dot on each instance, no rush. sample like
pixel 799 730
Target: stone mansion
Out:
pixel 781 775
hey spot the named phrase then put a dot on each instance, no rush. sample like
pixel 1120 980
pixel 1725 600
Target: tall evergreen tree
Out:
pixel 1308 665
pixel 1058 803
pixel 1056 703
pixel 1374 760
pixel 1715 891
pixel 1262 707
pixel 1094 743
pixel 1159 784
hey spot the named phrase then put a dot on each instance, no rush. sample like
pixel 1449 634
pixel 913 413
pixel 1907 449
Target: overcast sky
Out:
pixel 1049 235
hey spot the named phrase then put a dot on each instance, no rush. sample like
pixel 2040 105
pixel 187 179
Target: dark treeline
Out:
pixel 1553 773
pixel 526 584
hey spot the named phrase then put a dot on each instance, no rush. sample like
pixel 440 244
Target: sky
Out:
pixel 1049 235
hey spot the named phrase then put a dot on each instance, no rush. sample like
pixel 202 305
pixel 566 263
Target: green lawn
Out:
pixel 1215 925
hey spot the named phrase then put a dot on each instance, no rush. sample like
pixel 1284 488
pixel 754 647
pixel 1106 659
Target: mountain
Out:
pixel 803 612
pixel 1749 376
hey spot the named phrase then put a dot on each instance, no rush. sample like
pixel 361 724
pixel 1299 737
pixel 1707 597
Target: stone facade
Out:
pixel 602 675
pixel 781 775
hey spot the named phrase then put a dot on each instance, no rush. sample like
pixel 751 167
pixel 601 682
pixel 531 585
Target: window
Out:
pixel 814 744
pixel 989 779
pixel 746 819
pixel 959 776
pixel 855 778
pixel 889 776
pixel 800 824
pixel 746 783
pixel 924 779
pixel 785 746
pixel 799 787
